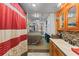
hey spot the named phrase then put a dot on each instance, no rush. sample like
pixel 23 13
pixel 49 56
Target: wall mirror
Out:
pixel 72 17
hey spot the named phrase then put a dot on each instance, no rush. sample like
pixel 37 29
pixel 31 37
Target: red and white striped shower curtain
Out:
pixel 13 32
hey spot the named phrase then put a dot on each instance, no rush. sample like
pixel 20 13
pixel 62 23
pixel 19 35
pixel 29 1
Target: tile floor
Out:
pixel 42 45
pixel 36 49
pixel 37 54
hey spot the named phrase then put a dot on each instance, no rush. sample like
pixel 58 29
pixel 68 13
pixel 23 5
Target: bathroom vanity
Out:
pixel 67 24
pixel 58 47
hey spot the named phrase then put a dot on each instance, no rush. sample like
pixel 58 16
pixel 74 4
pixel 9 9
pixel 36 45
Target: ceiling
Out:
pixel 41 11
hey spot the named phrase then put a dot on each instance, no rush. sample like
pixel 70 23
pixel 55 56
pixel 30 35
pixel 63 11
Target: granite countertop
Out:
pixel 65 47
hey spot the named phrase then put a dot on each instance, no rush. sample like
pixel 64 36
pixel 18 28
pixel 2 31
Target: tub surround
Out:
pixel 34 38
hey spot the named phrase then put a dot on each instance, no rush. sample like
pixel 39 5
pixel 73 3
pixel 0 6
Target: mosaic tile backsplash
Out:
pixel 71 37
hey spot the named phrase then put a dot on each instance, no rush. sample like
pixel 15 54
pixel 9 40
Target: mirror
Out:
pixel 62 21
pixel 72 17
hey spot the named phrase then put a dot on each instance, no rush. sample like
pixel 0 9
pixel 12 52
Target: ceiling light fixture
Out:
pixel 59 4
pixel 34 5
pixel 36 15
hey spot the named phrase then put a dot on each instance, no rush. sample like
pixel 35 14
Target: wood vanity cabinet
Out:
pixel 54 50
pixel 67 17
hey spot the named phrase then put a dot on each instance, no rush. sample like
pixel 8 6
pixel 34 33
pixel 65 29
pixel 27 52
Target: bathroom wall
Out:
pixel 51 28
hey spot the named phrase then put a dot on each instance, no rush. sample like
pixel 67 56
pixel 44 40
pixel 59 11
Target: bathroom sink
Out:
pixel 76 50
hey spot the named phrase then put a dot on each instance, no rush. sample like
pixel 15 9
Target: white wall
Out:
pixel 51 27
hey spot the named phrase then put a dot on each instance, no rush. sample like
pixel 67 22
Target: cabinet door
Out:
pixel 54 50
pixel 58 52
pixel 50 49
pixel 60 21
pixel 71 17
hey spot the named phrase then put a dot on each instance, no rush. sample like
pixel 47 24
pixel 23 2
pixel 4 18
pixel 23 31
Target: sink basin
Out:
pixel 76 50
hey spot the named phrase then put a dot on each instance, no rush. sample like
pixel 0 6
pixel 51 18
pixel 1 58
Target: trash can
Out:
pixel 47 37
